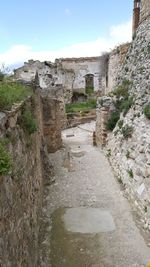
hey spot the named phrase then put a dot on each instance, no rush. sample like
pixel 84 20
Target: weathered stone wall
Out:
pixel 69 73
pixel 81 67
pixel 21 191
pixel 104 108
pixel 145 9
pixel 130 155
pixel 116 60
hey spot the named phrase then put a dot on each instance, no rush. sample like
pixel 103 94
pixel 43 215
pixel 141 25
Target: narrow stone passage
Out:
pixel 88 221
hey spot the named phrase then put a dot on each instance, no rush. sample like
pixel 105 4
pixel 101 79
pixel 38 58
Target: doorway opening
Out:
pixel 89 83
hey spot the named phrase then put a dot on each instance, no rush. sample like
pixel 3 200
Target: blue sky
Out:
pixel 46 29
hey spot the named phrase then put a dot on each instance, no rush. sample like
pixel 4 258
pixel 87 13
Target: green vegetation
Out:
pixel 120 124
pixel 1 76
pixel 145 209
pixel 27 121
pixel 76 107
pixel 122 90
pixel 12 92
pixel 130 172
pixel 89 90
pixel 147 111
pixel 5 159
pixel 126 105
pixel 122 103
pixel 127 131
pixel 111 123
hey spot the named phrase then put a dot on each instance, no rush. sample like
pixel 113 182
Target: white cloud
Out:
pixel 20 53
pixel 121 32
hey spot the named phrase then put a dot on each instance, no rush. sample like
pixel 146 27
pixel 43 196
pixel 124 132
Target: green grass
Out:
pixel 76 107
pixel 89 90
pixel 12 92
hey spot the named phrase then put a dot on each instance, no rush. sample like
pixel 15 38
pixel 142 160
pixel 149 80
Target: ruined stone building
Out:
pixel 78 74
pixel 21 192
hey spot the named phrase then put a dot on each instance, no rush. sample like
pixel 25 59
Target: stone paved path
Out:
pixel 88 221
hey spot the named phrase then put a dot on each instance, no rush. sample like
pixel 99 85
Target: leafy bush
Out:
pixel 147 111
pixel 5 159
pixel 27 121
pixel 127 131
pixel 122 90
pixel 111 123
pixel 126 105
pixel 12 92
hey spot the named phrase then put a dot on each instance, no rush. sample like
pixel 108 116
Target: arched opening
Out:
pixel 89 83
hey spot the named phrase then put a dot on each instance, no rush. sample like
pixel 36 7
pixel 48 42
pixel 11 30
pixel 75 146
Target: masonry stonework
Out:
pixel 130 157
pixel 145 9
pixel 21 191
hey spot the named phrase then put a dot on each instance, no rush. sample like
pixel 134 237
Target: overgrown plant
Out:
pixel 5 159
pixel 147 111
pixel 28 121
pixel 130 172
pixel 120 124
pixel 127 131
pixel 111 123
pixel 122 103
pixel 12 92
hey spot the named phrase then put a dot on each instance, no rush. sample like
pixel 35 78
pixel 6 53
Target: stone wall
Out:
pixel 21 191
pixel 81 67
pixel 70 74
pixel 145 9
pixel 104 108
pixel 115 62
pixel 129 154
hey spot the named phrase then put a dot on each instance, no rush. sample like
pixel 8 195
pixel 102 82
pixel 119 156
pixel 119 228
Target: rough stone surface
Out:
pixel 145 9
pixel 130 156
pixel 21 192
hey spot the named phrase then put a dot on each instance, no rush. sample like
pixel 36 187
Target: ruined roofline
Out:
pixel 77 59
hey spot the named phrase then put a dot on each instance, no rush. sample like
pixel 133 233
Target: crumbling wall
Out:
pixel 81 67
pixel 21 190
pixel 67 73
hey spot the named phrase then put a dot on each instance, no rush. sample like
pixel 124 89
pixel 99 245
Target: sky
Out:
pixel 49 29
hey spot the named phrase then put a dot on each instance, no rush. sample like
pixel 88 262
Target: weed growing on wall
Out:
pixel 5 159
pixel 12 92
pixel 147 111
pixel 27 120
